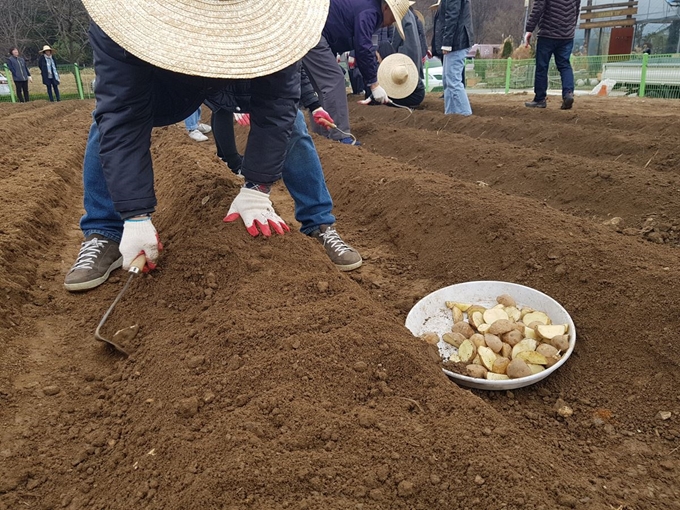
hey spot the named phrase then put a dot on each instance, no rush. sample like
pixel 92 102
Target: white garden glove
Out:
pixel 257 212
pixel 379 94
pixel 527 39
pixel 140 237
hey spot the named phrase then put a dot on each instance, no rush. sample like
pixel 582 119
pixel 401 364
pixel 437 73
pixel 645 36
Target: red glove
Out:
pixel 242 118
pixel 257 212
pixel 322 118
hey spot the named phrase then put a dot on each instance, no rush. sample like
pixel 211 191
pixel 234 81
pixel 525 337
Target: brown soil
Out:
pixel 265 379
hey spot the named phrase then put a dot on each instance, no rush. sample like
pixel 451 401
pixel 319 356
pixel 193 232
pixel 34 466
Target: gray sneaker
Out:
pixel 341 254
pixel 98 256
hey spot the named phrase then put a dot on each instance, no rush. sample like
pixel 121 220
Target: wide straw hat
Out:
pixel 398 75
pixel 213 38
pixel 46 48
pixel 434 7
pixel 420 16
pixel 399 9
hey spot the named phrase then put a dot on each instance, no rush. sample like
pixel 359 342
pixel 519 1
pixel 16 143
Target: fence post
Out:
pixel 8 75
pixel 76 71
pixel 508 70
pixel 427 75
pixel 643 74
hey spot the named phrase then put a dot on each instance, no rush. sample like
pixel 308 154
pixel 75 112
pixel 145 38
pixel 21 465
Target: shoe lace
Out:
pixel 333 239
pixel 89 251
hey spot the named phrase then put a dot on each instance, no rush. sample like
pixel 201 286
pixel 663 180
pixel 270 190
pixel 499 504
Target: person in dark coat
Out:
pixel 20 74
pixel 556 23
pixel 144 82
pixel 456 39
pixel 48 70
pixel 350 26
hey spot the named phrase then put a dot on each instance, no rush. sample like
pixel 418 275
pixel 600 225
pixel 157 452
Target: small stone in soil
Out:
pixel 51 390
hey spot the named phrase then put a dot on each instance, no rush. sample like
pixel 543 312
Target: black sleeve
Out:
pixel 536 15
pixel 451 19
pixel 308 97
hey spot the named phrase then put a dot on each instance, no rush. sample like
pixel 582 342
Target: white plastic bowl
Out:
pixel 430 314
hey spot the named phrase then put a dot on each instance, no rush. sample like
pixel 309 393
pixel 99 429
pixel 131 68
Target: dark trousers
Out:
pixel 356 80
pixel 53 84
pixel 545 48
pixel 222 123
pixel 22 90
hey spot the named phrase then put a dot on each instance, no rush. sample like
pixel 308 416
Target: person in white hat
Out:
pixel 144 81
pixel 400 78
pixel 350 26
pixel 48 70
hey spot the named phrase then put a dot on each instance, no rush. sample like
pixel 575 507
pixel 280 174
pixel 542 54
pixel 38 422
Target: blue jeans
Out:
pixel 545 48
pixel 302 175
pixel 191 122
pixel 455 97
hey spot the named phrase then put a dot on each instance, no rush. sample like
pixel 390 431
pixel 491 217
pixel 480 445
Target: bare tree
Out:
pixel 67 25
pixel 16 23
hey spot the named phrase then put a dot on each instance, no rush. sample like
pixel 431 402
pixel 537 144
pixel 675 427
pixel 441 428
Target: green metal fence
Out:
pixel 75 83
pixel 635 75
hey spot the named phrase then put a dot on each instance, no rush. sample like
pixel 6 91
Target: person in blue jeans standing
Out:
pixel 556 23
pixel 456 39
pixel 195 128
pixel 142 82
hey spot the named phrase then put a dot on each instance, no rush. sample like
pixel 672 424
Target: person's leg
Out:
pixel 19 90
pixel 222 123
pixel 26 99
pixel 455 97
pixel 329 82
pixel 562 55
pixel 56 89
pixel 544 50
pixel 102 226
pixel 49 90
pixel 304 179
pixel 191 122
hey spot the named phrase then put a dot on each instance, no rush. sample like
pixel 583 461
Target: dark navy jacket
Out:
pixel 350 26
pixel 134 96
pixel 456 18
pixel 18 68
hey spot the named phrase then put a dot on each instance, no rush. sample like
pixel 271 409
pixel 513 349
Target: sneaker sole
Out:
pixel 75 287
pixel 349 267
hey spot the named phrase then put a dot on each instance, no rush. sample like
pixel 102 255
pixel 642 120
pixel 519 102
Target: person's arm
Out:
pixel 365 24
pixel 308 97
pixel 536 14
pixel 450 23
pixel 124 118
pixel 411 45
pixel 10 66
pixel 421 38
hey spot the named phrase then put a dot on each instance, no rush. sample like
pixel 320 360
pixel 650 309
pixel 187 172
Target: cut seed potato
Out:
pixel 506 350
pixel 430 338
pixel 513 313
pixel 476 319
pixel 560 342
pixel 547 350
pixel 463 328
pixel 549 332
pixel 454 358
pixel 532 357
pixel 478 340
pixel 525 310
pixel 475 308
pixel 490 376
pixel 551 360
pixel 454 339
pixel 535 369
pixel 530 333
pixel 493 342
pixel 500 365
pixel 477 360
pixel 467 351
pixel 476 371
pixel 512 338
pixel 483 328
pixel 536 317
pixel 457 314
pixel 502 326
pixel 495 314
pixel 518 368
pixel 487 356
pixel 463 307
pixel 506 300
pixel 527 344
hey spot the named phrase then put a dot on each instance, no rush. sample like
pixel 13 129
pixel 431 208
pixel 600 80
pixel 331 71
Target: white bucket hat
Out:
pixel 213 38
pixel 399 9
pixel 398 75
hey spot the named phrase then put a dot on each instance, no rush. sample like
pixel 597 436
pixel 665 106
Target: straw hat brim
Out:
pixel 434 7
pixel 420 16
pixel 393 89
pixel 47 48
pixel 399 9
pixel 213 38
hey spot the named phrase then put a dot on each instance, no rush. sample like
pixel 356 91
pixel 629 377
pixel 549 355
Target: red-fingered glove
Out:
pixel 257 212
pixel 243 119
pixel 322 118
pixel 351 62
